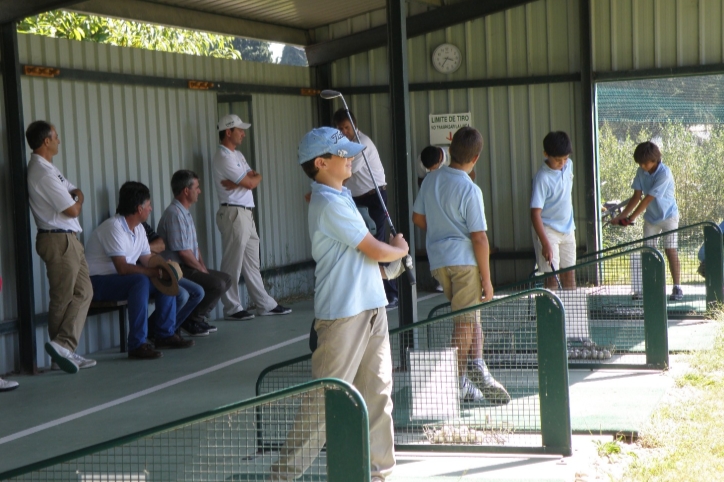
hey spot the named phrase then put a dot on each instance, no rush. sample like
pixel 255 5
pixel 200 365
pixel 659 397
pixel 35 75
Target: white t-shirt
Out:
pixel 360 182
pixel 422 171
pixel 114 238
pixel 231 165
pixel 50 196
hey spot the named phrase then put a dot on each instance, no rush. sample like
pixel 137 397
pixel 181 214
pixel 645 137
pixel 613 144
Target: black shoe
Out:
pixel 394 303
pixel 174 341
pixel 278 310
pixel 210 328
pixel 194 328
pixel 676 294
pixel 145 352
pixel 239 315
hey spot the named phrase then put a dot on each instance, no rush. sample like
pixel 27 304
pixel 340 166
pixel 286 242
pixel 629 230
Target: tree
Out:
pixel 254 50
pixel 125 33
pixel 293 56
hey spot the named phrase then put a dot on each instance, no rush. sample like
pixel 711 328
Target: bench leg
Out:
pixel 122 328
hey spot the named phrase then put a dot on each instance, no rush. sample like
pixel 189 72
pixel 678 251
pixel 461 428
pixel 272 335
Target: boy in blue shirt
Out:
pixel 349 306
pixel 551 211
pixel 655 181
pixel 450 208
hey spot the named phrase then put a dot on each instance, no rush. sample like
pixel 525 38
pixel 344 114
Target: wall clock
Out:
pixel 446 58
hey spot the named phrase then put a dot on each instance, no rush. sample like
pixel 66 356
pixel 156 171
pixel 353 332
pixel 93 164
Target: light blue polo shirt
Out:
pixel 552 195
pixel 453 207
pixel 660 185
pixel 347 282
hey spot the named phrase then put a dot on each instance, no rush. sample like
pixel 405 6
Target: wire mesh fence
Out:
pixel 605 301
pixel 447 397
pixel 222 444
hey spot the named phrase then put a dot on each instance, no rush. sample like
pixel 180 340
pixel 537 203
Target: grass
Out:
pixel 686 436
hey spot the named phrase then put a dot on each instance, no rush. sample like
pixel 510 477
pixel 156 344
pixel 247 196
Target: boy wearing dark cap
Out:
pixel 349 306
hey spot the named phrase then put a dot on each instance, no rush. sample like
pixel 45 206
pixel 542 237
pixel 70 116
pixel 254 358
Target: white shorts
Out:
pixel 563 246
pixel 671 241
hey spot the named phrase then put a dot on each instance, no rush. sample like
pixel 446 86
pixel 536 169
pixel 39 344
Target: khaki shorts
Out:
pixel 671 241
pixel 563 246
pixel 462 286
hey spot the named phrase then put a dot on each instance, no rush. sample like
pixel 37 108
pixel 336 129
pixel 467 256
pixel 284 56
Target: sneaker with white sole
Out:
pixel 239 316
pixel 205 325
pixel 79 360
pixel 61 356
pixel 491 389
pixel 7 385
pixel 469 392
pixel 278 310
pixel 676 294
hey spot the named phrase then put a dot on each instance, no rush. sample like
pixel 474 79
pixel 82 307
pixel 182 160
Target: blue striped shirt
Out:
pixel 178 231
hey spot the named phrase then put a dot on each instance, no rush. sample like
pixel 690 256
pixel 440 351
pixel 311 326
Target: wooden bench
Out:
pixel 101 307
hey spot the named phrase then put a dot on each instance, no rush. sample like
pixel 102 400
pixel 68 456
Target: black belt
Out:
pixel 236 206
pixel 369 193
pixel 55 231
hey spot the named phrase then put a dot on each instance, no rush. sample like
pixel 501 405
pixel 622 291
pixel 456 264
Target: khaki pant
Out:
pixel 240 244
pixel 357 350
pixel 71 291
pixel 462 286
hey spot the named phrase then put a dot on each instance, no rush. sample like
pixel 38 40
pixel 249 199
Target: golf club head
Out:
pixel 330 94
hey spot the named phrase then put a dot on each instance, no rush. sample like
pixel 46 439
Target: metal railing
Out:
pixel 429 411
pixel 221 444
pixel 621 322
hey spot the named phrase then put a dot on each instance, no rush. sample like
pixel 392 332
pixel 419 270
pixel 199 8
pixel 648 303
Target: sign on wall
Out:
pixel 443 126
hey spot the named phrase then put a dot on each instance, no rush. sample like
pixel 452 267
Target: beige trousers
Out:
pixel 71 291
pixel 357 350
pixel 240 256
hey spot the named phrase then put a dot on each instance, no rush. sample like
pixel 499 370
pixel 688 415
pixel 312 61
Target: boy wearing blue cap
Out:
pixel 349 306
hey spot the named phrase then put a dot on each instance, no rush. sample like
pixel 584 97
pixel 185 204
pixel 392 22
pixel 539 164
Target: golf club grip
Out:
pixel 409 270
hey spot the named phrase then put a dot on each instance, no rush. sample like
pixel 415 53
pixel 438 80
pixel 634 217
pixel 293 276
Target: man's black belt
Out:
pixel 236 206
pixel 373 191
pixel 55 231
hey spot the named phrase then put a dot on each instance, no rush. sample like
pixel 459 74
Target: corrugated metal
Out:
pixel 112 133
pixel 638 34
pixel 523 41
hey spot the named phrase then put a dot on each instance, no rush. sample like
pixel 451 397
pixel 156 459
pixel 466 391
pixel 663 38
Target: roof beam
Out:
pixel 14 10
pixel 192 19
pixel 330 50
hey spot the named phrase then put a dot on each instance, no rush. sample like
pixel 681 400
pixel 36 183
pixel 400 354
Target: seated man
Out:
pixel 112 252
pixel 178 230
pixel 189 295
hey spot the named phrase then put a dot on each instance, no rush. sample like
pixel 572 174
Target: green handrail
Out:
pixel 347 423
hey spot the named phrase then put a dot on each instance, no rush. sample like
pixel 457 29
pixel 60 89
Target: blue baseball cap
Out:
pixel 326 140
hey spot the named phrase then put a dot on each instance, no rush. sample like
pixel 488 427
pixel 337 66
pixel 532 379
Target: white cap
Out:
pixel 230 121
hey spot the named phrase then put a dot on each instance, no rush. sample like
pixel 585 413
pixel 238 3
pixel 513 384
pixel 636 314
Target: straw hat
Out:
pixel 168 285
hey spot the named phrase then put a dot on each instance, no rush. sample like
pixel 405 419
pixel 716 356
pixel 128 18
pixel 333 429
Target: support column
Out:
pixel 588 123
pixel 323 80
pixel 19 196
pixel 402 167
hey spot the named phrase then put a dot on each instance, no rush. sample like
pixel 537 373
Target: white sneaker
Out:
pixel 7 385
pixel 377 478
pixel 79 360
pixel 61 356
pixel 469 392
pixel 492 389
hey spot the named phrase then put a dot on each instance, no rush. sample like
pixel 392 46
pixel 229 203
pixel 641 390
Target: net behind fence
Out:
pixel 222 445
pixel 605 301
pixel 445 401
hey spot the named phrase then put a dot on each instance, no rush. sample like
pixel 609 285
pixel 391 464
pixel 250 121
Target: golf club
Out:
pixel 553 268
pixel 407 260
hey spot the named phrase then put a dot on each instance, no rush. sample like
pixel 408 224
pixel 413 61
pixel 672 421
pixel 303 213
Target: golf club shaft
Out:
pixel 407 260
pixel 556 276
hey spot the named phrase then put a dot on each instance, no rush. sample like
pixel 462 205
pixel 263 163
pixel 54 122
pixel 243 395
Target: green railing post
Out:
pixel 714 261
pixel 348 444
pixel 656 323
pixel 555 411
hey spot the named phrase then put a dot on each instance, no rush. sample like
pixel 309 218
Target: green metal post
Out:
pixel 655 317
pixel 555 408
pixel 348 444
pixel 714 261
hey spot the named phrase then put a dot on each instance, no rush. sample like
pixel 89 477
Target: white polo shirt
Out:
pixel 231 165
pixel 360 183
pixel 422 171
pixel 114 238
pixel 50 195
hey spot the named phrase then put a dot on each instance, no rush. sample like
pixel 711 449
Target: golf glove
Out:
pixel 394 269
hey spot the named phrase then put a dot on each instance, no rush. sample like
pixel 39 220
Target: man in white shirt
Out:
pixel 362 187
pixel 56 204
pixel 113 250
pixel 234 181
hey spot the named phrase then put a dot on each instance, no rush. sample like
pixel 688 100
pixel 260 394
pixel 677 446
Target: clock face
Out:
pixel 446 58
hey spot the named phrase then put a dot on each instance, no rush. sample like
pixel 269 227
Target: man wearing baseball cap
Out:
pixel 234 181
pixel 349 307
